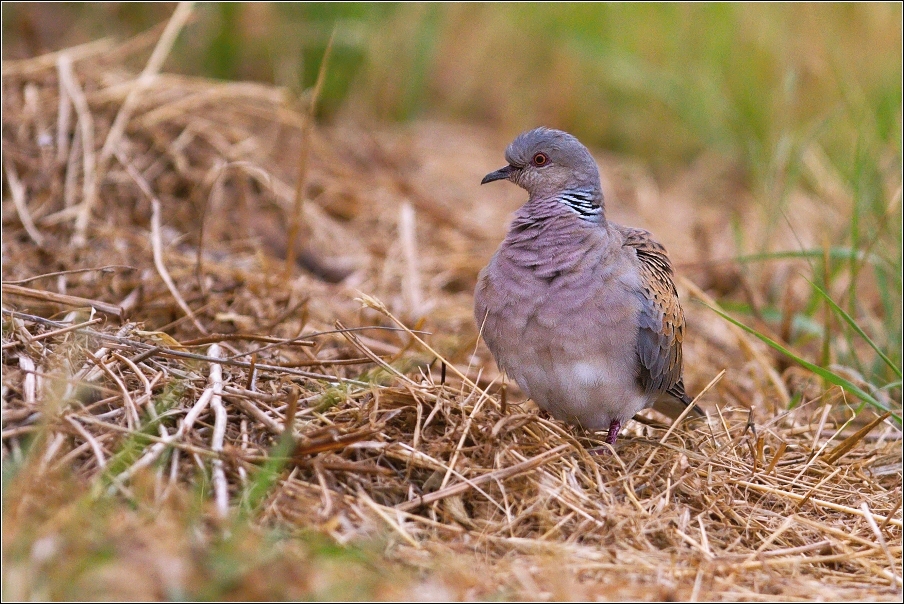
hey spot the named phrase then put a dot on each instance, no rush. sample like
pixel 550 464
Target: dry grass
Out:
pixel 208 373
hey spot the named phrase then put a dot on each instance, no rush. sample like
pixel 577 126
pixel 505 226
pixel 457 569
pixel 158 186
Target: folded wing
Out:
pixel 661 321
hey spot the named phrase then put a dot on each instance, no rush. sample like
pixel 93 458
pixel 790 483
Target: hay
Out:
pixel 205 355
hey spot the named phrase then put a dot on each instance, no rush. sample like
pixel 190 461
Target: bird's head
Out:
pixel 546 162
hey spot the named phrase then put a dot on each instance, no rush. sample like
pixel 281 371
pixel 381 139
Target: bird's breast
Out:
pixel 564 306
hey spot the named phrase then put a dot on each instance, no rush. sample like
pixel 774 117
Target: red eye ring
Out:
pixel 540 159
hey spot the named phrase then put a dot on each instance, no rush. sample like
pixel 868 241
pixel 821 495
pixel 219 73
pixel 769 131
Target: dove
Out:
pixel 580 312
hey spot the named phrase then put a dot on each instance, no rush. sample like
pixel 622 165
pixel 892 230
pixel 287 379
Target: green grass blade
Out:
pixel 824 373
pixel 258 488
pixel 850 321
pixel 835 253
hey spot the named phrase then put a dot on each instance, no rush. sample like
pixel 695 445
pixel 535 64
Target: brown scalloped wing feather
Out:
pixel 661 319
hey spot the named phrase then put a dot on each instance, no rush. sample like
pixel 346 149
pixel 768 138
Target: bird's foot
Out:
pixel 614 427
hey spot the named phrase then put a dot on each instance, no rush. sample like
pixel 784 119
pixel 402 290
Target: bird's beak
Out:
pixel 500 174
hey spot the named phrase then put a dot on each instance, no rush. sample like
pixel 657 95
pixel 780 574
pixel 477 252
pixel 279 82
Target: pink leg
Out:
pixel 614 427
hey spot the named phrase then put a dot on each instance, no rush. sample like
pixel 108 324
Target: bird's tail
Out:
pixel 674 401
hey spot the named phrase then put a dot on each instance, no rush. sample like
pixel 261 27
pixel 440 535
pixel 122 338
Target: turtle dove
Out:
pixel 581 312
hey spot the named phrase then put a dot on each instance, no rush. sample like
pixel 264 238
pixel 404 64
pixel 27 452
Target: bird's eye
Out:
pixel 540 159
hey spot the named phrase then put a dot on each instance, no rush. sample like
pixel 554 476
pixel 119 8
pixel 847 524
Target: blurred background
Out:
pixel 666 82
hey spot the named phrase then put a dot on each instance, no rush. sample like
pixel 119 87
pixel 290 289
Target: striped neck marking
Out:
pixel 581 203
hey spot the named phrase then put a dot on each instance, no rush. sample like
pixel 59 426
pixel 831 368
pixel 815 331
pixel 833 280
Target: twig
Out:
pixel 157 244
pixel 464 435
pixel 64 299
pixel 372 356
pixel 70 182
pixel 890 514
pixel 132 410
pixel 86 131
pixel 331 441
pixel 778 455
pixel 412 278
pixel 46 61
pixel 233 337
pixel 64 114
pixel 104 269
pixel 500 474
pixel 147 398
pixel 870 520
pixel 161 443
pixel 158 56
pixel 295 219
pixel 378 306
pixel 17 190
pixel 303 337
pixel 684 414
pixel 834 506
pixel 221 491
pixel 815 488
pixel 851 441
pixel 408 454
pixel 55 443
pixel 836 532
pixel 785 551
pixel 59 332
pixel 151 350
pixel 695 544
pixel 788 523
pixel 29 381
pixel 95 446
pixel 251 409
pixel 397 526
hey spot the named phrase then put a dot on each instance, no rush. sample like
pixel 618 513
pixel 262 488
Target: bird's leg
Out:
pixel 614 427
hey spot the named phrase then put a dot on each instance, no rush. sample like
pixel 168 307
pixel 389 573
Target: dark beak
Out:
pixel 500 174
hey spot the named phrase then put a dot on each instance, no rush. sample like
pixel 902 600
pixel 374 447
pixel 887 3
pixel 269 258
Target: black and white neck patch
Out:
pixel 582 203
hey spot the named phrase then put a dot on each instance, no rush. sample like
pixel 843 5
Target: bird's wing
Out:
pixel 661 319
